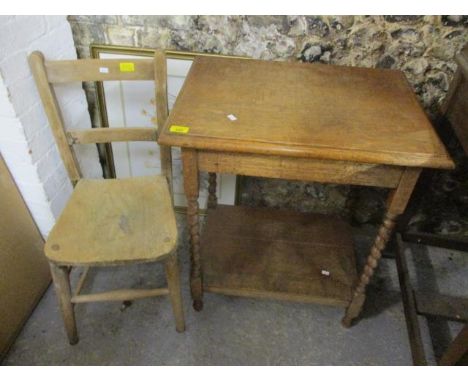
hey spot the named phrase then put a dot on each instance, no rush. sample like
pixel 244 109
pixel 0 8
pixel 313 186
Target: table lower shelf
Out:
pixel 265 253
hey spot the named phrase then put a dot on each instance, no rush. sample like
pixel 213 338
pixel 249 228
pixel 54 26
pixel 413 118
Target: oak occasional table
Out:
pixel 294 121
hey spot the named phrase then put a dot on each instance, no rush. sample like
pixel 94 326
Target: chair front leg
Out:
pixel 60 277
pixel 173 283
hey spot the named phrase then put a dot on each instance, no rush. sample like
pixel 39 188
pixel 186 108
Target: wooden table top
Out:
pixel 304 110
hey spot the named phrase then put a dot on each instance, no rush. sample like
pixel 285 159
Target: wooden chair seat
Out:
pixel 114 221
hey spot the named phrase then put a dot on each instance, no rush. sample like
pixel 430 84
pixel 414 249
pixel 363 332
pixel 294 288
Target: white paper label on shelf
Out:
pixel 103 69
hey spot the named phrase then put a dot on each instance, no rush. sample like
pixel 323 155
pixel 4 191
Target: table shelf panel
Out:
pixel 266 253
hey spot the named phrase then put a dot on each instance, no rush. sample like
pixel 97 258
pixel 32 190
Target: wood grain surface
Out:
pixel 265 253
pixel 305 110
pixel 113 221
pixel 24 273
pixel 319 170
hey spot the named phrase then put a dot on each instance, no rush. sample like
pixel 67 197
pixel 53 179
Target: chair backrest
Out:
pixel 48 73
pixel 455 106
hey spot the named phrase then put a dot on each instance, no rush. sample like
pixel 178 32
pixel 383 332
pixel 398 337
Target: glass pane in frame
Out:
pixel 131 104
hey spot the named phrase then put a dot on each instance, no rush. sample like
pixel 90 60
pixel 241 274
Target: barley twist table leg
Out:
pixel 195 268
pixel 358 298
pixel 396 204
pixel 212 198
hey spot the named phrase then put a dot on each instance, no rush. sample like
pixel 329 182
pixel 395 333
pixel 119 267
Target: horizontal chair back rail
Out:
pixel 99 70
pixel 48 73
pixel 108 134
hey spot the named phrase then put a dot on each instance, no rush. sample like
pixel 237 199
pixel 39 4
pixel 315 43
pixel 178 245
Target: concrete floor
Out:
pixel 235 331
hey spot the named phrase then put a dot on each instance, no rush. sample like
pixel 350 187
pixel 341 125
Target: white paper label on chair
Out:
pixel 103 69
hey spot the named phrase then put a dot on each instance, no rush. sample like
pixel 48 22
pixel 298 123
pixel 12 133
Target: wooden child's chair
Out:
pixel 109 222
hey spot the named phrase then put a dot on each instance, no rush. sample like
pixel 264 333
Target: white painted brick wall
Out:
pixel 26 141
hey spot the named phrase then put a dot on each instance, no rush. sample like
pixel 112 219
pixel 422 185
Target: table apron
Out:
pixel 292 168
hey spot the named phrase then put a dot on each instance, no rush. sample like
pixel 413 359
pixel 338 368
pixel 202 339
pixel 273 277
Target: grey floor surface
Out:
pixel 237 331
